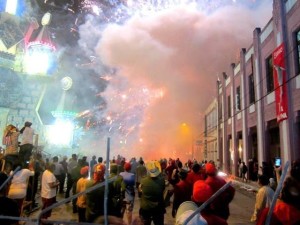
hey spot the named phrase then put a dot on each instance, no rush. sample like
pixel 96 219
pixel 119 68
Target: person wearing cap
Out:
pixel 81 199
pixel 8 207
pixel 129 180
pixel 201 193
pixel 221 204
pixel 152 207
pixel 95 199
pixel 26 145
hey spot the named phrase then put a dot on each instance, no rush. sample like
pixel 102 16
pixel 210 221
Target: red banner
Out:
pixel 280 85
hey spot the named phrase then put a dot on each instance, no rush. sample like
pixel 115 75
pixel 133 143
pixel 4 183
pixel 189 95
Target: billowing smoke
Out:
pixel 167 66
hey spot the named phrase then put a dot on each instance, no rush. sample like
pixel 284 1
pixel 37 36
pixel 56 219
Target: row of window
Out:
pixel 269 79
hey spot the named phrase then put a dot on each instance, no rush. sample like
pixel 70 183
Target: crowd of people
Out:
pixel 157 184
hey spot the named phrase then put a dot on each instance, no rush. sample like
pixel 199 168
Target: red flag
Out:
pixel 280 87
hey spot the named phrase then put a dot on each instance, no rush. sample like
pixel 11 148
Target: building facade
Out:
pixel 258 102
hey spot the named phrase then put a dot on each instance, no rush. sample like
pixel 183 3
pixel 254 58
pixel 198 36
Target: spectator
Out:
pixel 49 186
pixel 64 164
pixel 71 165
pixel 80 187
pixel 10 139
pixel 264 197
pixel 244 171
pixel 38 166
pixel 182 191
pixel 129 180
pixel 141 172
pixel 195 174
pixel 8 207
pixel 59 171
pixel 84 161
pixel 287 208
pixel 152 206
pixel 116 192
pixel 93 162
pixel 19 184
pixel 75 175
pixel 95 199
pixel 26 145
pixel 201 193
pixel 221 204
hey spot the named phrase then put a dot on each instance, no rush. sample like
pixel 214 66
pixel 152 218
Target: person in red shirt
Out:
pixel 182 191
pixel 195 174
pixel 201 193
pixel 221 204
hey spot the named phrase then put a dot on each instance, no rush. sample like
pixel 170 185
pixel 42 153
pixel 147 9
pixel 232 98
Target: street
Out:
pixel 241 209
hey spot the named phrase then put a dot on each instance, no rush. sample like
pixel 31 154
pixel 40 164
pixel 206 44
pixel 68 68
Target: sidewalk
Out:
pixel 249 188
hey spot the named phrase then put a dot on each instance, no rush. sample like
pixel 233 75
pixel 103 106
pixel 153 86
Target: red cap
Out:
pixel 201 191
pixel 84 170
pixel 127 166
pixel 210 169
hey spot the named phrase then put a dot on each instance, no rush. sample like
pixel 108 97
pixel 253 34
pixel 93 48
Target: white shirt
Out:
pixel 47 191
pixel 27 136
pixel 19 184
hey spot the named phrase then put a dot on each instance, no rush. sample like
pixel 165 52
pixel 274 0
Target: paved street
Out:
pixel 241 209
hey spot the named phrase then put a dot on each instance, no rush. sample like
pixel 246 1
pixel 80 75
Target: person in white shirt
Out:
pixel 19 183
pixel 26 145
pixel 48 192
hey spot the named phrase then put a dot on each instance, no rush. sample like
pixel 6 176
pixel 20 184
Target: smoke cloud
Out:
pixel 175 56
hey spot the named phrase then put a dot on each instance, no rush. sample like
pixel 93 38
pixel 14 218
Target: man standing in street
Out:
pixel 93 162
pixel 152 207
pixel 48 192
pixel 71 165
pixel 129 180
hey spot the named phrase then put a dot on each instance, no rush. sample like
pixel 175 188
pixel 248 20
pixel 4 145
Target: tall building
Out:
pixel 258 99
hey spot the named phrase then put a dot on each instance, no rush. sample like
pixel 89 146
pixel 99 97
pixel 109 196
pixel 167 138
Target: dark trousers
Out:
pixel 46 203
pixel 70 182
pixel 155 215
pixel 25 153
pixel 74 200
pixel 81 214
pixel 62 183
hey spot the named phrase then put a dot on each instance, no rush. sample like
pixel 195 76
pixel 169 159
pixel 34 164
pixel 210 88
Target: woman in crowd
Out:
pixel 18 187
pixel 10 139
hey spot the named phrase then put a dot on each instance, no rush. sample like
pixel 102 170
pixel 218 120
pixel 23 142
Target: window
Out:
pixel 251 89
pixel 269 74
pixel 229 106
pixel 298 51
pixel 238 98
